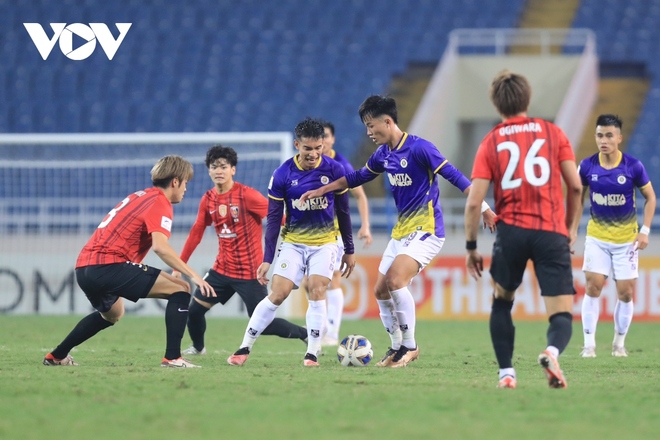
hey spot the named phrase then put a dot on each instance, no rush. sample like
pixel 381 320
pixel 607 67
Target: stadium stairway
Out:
pixel 623 96
pixel 547 14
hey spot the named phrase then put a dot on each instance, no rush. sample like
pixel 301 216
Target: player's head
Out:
pixel 329 138
pixel 380 116
pixel 510 93
pixel 309 142
pixel 608 133
pixel 221 163
pixel 172 173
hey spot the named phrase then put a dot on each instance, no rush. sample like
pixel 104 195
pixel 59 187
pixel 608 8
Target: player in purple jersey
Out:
pixel 309 239
pixel 412 165
pixel 613 240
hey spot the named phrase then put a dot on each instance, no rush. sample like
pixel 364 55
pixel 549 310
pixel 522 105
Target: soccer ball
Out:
pixel 355 351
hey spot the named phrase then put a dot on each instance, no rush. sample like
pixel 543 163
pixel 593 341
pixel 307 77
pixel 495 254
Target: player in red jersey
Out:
pixel 110 267
pixel 526 159
pixel 236 212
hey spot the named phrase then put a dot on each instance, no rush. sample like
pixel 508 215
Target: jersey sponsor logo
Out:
pixel 404 163
pixel 294 182
pixel 222 210
pixel 399 179
pixel 594 177
pixel 166 223
pixel 225 232
pixel 315 204
pixel 609 199
pixel 521 128
pixel 325 180
pixel 621 179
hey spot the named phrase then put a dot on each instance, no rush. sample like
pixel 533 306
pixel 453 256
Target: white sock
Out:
pixel 553 351
pixel 405 313
pixel 507 372
pixel 390 321
pixel 623 315
pixel 262 316
pixel 317 315
pixel 590 312
pixel 335 309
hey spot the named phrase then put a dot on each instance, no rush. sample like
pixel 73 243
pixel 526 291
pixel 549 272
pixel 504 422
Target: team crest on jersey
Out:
pixel 325 180
pixel 222 210
pixel 404 163
pixel 621 179
pixel 234 213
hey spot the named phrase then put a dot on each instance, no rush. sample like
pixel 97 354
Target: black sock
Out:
pixel 176 316
pixel 560 330
pixel 197 323
pixel 502 332
pixel 285 329
pixel 85 329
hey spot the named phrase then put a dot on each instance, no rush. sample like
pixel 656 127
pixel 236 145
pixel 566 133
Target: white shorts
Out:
pixel 603 257
pixel 340 253
pixel 297 260
pixel 420 246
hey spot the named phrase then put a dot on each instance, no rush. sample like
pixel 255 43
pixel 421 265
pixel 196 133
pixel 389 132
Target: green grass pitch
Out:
pixel 119 391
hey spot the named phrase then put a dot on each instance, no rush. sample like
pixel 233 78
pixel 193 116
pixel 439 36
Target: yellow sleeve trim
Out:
pixel 440 166
pixel 275 198
pixel 342 191
pixel 367 167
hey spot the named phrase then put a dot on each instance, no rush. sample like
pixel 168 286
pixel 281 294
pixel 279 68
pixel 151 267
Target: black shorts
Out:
pixel 105 283
pixel 549 251
pixel 250 291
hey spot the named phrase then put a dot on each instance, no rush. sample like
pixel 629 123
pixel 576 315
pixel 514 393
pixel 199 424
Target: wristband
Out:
pixel 644 230
pixel 484 207
pixel 471 245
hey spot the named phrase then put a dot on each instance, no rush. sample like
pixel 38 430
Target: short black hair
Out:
pixel 219 152
pixel 378 105
pixel 309 128
pixel 608 120
pixel 329 125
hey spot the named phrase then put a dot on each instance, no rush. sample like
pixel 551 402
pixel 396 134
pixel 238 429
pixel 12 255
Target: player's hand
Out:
pixel 489 218
pixel 474 263
pixel 311 195
pixel 347 265
pixel 204 287
pixel 176 274
pixel 262 271
pixel 641 242
pixel 365 234
pixel 572 239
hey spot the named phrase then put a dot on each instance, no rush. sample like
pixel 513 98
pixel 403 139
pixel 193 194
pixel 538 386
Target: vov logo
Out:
pixel 64 34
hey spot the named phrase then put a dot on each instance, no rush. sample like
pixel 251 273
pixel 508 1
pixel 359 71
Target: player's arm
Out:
pixel 649 211
pixel 196 233
pixel 476 194
pixel 343 213
pixel 162 248
pixel 574 194
pixel 256 203
pixel 363 208
pixel 273 223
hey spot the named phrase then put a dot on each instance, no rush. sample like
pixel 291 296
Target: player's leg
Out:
pixel 177 293
pixel 319 275
pixel 200 304
pixel 335 299
pixel 625 264
pixel 552 263
pixel 335 296
pixel 413 254
pixel 252 293
pixel 386 305
pixel 95 281
pixel 597 266
pixel 508 263
pixel 285 277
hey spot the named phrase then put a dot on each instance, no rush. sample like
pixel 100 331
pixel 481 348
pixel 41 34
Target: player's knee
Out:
pixel 625 295
pixel 113 317
pixel 316 292
pixel 277 298
pixel 395 281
